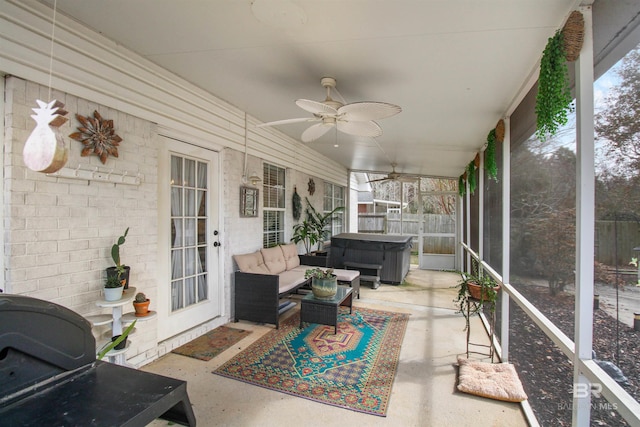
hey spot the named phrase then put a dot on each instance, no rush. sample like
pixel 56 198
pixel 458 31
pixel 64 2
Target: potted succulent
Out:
pixel 474 292
pixel 113 288
pixel 141 304
pixel 120 270
pixel 324 284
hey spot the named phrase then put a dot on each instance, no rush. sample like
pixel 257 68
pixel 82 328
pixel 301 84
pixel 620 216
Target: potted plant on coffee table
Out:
pixel 324 284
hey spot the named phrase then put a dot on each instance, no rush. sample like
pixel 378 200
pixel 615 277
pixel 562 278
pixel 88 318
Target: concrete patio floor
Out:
pixel 424 391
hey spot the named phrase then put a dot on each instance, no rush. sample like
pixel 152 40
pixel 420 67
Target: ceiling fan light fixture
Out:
pixel 355 119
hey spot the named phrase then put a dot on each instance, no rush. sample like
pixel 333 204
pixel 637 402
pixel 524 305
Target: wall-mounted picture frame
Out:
pixel 248 202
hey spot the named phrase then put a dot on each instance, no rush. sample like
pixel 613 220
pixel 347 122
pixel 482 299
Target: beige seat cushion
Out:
pixel 251 263
pixel 493 380
pixel 290 253
pixel 346 275
pixel 289 280
pixel 274 260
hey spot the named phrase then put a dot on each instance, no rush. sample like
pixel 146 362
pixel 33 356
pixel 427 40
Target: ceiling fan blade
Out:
pixel 287 121
pixel 316 131
pixel 408 178
pixel 365 111
pixel 369 128
pixel 315 107
pixel 378 180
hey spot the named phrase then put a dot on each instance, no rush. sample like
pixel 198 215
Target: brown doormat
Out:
pixel 211 344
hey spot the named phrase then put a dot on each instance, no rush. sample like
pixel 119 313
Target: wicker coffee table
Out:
pixel 325 311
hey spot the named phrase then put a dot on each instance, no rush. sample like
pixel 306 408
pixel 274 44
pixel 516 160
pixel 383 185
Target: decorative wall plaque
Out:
pixel 98 136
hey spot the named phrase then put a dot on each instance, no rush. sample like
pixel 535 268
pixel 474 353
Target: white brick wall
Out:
pixel 59 232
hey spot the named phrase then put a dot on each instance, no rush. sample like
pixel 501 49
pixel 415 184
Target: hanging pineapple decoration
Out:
pixel 45 150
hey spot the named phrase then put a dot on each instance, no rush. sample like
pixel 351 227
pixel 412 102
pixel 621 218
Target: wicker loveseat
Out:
pixel 265 276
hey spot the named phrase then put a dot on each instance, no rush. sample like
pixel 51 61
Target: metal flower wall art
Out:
pixel 98 136
pixel 45 150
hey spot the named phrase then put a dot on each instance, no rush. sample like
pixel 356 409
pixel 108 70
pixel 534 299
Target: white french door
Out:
pixel 189 291
pixel 437 238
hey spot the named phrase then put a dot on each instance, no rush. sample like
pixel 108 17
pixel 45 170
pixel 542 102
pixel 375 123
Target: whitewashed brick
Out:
pixel 72 200
pixel 57 259
pixel 45 247
pixel 37 272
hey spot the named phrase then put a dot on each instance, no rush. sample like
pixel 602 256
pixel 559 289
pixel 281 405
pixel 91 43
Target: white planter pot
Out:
pixel 113 294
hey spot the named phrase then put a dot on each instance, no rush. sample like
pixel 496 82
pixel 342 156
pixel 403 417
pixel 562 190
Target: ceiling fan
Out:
pixel 397 176
pixel 356 118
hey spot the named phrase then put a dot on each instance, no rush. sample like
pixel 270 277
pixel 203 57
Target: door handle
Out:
pixel 216 244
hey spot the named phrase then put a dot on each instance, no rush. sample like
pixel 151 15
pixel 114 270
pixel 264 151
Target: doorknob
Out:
pixel 216 244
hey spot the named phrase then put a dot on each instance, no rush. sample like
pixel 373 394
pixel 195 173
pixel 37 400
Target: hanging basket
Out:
pixel 476 161
pixel 573 32
pixel 500 131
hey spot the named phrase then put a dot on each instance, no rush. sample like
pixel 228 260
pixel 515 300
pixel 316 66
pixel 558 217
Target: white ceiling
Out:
pixel 454 66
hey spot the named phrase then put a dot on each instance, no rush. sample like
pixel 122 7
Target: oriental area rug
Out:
pixel 214 342
pixel 352 369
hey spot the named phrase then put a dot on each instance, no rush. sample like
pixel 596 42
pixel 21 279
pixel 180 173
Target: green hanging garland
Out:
pixel 471 176
pixel 553 101
pixel 462 188
pixel 490 155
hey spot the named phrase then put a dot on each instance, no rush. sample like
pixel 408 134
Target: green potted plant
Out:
pixel 313 229
pixel 113 288
pixel 324 284
pixel 141 305
pixel 120 270
pixel 117 342
pixel 474 292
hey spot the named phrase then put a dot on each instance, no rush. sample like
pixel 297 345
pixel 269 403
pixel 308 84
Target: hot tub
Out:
pixel 393 253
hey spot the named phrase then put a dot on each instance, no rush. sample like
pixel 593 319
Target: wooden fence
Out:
pixel 628 234
pixel 628 237
pixel 410 226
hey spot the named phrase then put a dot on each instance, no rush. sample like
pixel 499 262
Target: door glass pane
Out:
pixel 202 203
pixel 202 175
pixel 177 233
pixel 188 232
pixel 189 173
pixel 176 264
pixel 190 291
pixel 176 295
pixel 202 231
pixel 176 201
pixel 190 202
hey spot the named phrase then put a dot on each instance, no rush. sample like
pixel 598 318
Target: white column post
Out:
pixel 506 230
pixel 585 223
pixel 481 208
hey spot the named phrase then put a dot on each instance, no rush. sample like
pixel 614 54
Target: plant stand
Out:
pixel 117 320
pixel 492 326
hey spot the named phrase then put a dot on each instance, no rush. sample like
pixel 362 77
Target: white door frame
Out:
pixel 171 324
pixel 436 261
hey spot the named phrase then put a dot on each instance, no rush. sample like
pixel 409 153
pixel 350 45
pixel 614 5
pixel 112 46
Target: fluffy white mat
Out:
pixel 493 380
